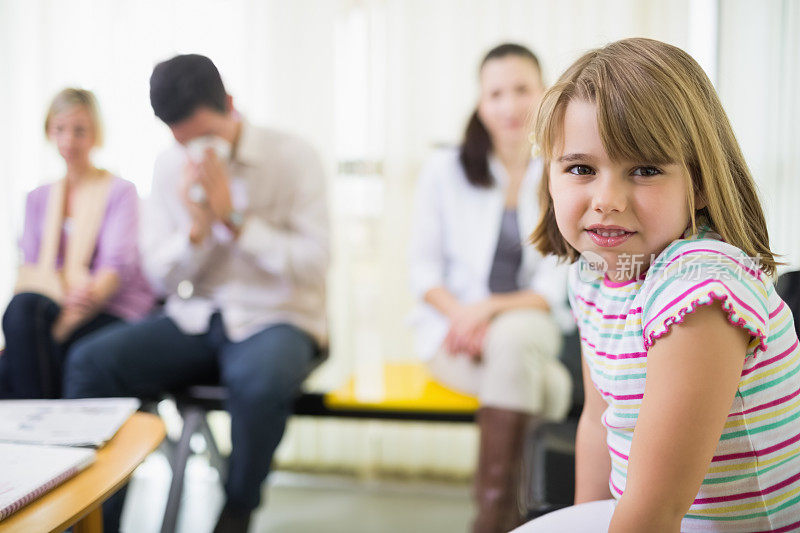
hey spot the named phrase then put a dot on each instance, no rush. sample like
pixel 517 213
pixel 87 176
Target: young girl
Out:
pixel 691 361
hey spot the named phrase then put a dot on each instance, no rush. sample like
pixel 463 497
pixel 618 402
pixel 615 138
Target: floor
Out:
pixel 300 503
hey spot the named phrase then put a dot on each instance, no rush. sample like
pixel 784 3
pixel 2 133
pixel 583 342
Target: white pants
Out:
pixel 590 517
pixel 519 368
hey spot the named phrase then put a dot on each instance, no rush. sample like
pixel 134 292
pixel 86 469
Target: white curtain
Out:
pixel 759 83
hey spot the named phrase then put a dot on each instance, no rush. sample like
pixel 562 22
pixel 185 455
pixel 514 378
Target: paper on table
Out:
pixel 27 471
pixel 86 422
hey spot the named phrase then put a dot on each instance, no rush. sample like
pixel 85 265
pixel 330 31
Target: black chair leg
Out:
pixel 192 420
pixel 215 458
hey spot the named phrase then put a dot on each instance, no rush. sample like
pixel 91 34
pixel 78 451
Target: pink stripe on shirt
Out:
pixel 765 362
pixel 755 273
pixel 592 304
pixel 631 355
pixel 694 288
pixel 753 494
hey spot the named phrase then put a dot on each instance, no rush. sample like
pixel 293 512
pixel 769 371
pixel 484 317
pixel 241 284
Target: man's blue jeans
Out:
pixel 263 375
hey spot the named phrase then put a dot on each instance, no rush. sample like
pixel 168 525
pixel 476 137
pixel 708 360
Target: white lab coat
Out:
pixel 455 229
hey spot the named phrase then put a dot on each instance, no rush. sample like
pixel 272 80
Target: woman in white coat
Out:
pixel 490 305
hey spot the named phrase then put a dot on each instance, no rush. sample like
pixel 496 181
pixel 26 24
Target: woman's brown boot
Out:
pixel 502 437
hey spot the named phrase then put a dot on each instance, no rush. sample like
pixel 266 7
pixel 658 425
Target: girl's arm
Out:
pixel 692 377
pixel 592 462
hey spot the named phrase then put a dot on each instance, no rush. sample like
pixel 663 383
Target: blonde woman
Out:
pixel 691 420
pixel 488 319
pixel 80 268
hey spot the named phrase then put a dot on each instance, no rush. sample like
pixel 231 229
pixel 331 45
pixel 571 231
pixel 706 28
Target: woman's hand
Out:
pixel 468 327
pixel 79 307
pixel 80 300
pixel 67 322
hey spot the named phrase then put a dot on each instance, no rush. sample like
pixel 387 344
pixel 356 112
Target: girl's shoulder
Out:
pixel 584 281
pixel 704 253
pixel 702 269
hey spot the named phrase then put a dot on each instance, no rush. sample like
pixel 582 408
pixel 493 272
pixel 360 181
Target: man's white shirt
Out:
pixel 275 271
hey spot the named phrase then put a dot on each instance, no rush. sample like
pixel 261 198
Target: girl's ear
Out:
pixel 700 201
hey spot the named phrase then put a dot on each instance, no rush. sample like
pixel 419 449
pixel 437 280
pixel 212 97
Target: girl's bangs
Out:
pixel 637 120
pixel 631 131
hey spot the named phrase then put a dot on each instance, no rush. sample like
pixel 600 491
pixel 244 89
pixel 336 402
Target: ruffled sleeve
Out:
pixel 691 273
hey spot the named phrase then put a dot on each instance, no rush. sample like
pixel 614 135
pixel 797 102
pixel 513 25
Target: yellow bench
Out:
pixel 409 392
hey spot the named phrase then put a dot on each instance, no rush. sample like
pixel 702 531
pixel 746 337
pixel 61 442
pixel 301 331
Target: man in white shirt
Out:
pixel 236 239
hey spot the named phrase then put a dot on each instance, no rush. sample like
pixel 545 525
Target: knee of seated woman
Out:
pixel 23 306
pixel 524 330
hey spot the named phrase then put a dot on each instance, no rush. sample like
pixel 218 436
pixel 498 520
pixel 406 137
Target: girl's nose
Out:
pixel 609 196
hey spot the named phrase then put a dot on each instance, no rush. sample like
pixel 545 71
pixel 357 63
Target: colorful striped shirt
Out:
pixel 753 481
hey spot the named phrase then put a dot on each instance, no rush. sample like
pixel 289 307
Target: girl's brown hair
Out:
pixel 68 98
pixel 655 104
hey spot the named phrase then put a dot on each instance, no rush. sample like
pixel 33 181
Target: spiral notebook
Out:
pixel 27 471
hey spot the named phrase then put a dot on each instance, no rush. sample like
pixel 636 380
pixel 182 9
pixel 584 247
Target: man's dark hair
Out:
pixel 179 86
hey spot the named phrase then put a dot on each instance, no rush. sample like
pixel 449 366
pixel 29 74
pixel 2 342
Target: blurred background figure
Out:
pixel 489 304
pixel 80 260
pixel 236 240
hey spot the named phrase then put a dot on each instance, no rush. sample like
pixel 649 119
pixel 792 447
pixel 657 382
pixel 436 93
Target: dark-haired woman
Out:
pixel 490 306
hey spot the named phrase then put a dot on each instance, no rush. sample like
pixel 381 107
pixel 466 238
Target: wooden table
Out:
pixel 77 502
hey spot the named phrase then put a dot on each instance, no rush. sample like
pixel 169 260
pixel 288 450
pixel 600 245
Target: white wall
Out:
pixel 759 84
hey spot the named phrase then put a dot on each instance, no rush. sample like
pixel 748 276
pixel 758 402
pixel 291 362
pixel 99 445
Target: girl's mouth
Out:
pixel 608 238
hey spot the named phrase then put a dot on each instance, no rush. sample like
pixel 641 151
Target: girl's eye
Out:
pixel 646 171
pixel 579 170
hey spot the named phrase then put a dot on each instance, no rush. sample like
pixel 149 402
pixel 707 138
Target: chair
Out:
pixel 549 482
pixel 193 404
pixel 788 287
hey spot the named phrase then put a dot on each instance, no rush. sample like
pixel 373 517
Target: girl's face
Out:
pixel 72 131
pixel 627 212
pixel 511 88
